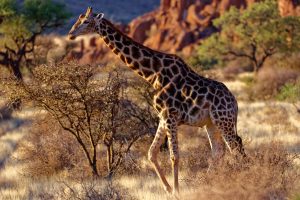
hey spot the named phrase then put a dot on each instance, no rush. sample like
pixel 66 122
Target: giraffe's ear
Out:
pixel 89 11
pixel 99 16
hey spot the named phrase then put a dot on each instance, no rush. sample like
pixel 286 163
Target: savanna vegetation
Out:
pixel 20 26
pixel 256 39
pixel 255 35
pixel 83 131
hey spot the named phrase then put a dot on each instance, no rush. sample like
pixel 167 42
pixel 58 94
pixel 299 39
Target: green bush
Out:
pixel 289 92
pixel 20 24
pixel 254 34
pixel 203 63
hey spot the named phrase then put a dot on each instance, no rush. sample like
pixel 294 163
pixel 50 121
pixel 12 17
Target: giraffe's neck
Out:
pixel 144 61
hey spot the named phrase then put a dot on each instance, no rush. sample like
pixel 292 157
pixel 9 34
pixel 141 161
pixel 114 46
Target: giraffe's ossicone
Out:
pixel 182 96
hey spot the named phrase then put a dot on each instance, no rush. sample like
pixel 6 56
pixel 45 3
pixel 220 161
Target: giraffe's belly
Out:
pixel 200 119
pixel 186 111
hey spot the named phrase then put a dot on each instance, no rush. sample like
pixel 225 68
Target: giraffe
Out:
pixel 182 96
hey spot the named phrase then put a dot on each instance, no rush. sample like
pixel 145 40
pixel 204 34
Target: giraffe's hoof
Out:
pixel 211 167
pixel 247 159
pixel 168 189
pixel 175 195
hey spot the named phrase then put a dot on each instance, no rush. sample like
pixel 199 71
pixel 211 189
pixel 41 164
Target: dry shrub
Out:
pixel 271 174
pixel 6 183
pixel 235 67
pixel 95 110
pixel 291 61
pixel 92 107
pixel 95 190
pixel 43 45
pixel 48 150
pixel 196 158
pixel 269 80
pixel 278 119
pixel 82 188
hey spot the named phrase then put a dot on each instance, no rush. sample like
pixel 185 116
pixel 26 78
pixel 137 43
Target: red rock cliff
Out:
pixel 177 24
pixel 289 7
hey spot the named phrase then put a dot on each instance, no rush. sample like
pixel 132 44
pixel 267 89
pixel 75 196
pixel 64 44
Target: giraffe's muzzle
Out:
pixel 71 37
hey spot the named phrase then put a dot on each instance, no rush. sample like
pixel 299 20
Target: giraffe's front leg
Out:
pixel 152 154
pixel 174 154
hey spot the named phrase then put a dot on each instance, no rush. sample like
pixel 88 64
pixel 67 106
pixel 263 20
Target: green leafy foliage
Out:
pixel 256 34
pixel 33 16
pixel 45 13
pixel 205 63
pixel 20 24
pixel 290 92
pixel 13 29
pixel 7 7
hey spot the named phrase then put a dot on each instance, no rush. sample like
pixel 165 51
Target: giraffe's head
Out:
pixel 85 24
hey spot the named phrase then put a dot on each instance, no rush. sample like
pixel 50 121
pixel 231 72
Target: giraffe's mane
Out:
pixel 136 43
pixel 77 23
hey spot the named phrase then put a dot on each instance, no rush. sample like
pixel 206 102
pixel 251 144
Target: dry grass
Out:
pixel 261 122
pixel 270 131
pixel 272 174
pixel 269 80
pixel 49 151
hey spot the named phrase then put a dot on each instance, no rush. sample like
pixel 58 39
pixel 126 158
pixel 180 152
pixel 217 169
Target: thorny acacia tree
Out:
pixel 91 107
pixel 20 24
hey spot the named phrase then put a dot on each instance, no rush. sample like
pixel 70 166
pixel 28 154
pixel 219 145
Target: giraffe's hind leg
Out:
pixel 217 144
pixel 174 154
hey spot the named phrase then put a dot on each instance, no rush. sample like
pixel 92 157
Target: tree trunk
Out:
pixel 15 67
pixel 255 69
pixel 110 159
pixel 94 162
pixel 15 104
pixel 95 170
pixel 255 66
pixel 261 63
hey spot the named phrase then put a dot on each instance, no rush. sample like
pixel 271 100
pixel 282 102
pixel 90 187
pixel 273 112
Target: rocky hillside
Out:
pixel 177 25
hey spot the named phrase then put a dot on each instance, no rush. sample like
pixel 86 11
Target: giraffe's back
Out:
pixel 197 100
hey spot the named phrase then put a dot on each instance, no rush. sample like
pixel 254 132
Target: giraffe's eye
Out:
pixel 85 22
